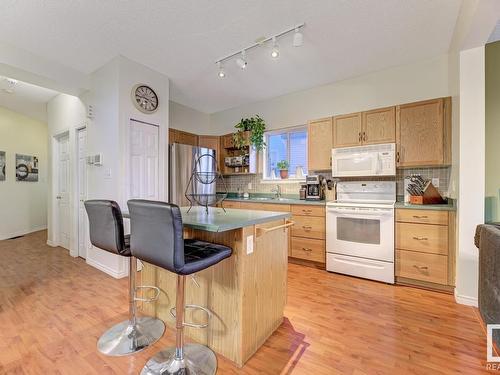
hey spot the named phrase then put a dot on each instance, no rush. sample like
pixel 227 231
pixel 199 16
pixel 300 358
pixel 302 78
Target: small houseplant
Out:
pixel 283 167
pixel 256 126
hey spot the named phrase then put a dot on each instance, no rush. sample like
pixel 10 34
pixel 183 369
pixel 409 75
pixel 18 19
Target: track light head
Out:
pixel 275 51
pixel 242 61
pixel 221 73
pixel 298 38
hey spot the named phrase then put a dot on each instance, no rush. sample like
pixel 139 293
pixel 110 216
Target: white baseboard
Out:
pixel 466 300
pixel 22 232
pixel 106 269
pixel 51 243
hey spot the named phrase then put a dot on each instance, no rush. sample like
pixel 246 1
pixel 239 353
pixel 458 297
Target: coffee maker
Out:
pixel 315 189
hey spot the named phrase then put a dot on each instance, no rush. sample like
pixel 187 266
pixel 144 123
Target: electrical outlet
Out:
pixel 249 244
pixel 249 186
pixel 435 182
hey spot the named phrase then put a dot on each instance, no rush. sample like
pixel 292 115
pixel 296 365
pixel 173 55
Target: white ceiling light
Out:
pixel 240 57
pixel 9 85
pixel 242 61
pixel 298 38
pixel 275 52
pixel 221 73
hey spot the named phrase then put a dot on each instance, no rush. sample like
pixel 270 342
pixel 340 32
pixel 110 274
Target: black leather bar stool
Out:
pixel 157 238
pixel 107 233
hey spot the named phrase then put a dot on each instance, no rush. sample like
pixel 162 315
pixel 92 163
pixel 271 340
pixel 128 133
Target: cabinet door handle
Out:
pixel 306 227
pixel 364 136
pixel 359 137
pixel 420 238
pixel 397 157
pixel 420 217
pixel 306 211
pixel 306 249
pixel 421 268
pixel 330 161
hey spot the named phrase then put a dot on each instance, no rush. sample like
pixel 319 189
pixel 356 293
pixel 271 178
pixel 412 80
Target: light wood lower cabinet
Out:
pixel 307 237
pixel 425 248
pixel 308 249
pixel 432 268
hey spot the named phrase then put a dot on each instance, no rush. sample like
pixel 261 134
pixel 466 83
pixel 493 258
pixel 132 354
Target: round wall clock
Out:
pixel 144 98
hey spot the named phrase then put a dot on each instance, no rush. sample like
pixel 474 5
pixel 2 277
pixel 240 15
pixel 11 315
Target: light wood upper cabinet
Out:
pixel 319 144
pixel 423 133
pixel 179 136
pixel 379 126
pixel 347 130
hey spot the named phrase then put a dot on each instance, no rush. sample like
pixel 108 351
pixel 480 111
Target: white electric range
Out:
pixel 360 230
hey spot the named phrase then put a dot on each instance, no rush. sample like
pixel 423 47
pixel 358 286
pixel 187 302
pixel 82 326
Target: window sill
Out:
pixel 286 181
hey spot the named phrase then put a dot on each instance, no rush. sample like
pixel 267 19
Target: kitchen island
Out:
pixel 246 292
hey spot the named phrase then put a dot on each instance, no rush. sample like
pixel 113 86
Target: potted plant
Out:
pixel 250 132
pixel 283 167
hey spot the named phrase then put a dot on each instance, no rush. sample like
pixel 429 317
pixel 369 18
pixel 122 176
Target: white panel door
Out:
pixel 82 193
pixel 144 168
pixel 63 191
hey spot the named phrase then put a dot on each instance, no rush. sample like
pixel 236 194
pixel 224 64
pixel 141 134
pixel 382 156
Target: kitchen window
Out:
pixel 286 144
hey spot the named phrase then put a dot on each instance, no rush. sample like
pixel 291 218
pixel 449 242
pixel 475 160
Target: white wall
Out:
pixel 422 80
pixel 65 114
pixel 188 119
pixel 23 204
pixel 472 161
pixel 108 133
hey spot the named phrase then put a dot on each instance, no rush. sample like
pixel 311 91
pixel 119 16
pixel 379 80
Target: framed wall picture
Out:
pixel 26 168
pixel 2 165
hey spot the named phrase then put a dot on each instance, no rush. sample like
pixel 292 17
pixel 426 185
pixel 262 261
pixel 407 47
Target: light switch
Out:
pixel 249 186
pixel 249 244
pixel 435 182
pixel 107 173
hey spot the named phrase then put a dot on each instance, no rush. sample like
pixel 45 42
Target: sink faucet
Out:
pixel 277 191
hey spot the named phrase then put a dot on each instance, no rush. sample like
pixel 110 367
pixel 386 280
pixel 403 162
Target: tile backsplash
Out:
pixel 235 182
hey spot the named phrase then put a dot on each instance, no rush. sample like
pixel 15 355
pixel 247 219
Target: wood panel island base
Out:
pixel 246 292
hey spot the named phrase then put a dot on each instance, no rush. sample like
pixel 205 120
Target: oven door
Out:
pixel 365 232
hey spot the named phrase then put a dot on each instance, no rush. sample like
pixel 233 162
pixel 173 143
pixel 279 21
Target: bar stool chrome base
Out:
pixel 125 338
pixel 197 360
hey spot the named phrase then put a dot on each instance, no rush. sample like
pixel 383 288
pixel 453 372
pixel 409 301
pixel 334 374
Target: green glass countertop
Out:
pixel 268 198
pixel 450 206
pixel 216 220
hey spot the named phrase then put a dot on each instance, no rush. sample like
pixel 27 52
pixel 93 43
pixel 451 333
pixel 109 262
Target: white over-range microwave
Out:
pixel 362 161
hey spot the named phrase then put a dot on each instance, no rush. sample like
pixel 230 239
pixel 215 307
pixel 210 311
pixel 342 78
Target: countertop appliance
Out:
pixel 182 161
pixel 315 189
pixel 360 230
pixel 363 161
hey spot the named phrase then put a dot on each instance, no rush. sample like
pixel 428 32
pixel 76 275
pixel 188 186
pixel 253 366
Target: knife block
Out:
pixel 430 196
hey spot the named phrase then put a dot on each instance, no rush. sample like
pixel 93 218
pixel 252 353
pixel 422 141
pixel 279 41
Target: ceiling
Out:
pixel 183 38
pixel 495 35
pixel 27 99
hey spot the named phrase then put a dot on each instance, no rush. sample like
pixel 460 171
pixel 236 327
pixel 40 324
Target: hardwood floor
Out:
pixel 54 307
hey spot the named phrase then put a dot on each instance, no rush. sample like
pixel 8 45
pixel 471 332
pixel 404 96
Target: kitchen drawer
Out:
pixel 308 210
pixel 265 206
pixel 432 268
pixel 424 238
pixel 311 227
pixel 422 216
pixel 231 204
pixel 309 249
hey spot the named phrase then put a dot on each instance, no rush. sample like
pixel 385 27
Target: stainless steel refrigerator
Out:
pixel 182 163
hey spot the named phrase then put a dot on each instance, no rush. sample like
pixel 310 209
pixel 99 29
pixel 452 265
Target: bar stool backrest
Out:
pixel 106 226
pixel 156 234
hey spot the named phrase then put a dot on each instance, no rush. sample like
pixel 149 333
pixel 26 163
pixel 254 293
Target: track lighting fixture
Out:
pixel 221 73
pixel 275 52
pixel 240 56
pixel 242 61
pixel 298 38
